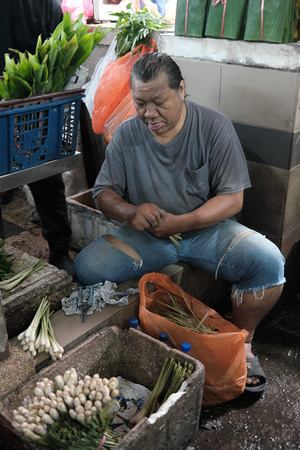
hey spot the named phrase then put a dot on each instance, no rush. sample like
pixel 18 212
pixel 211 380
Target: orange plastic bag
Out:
pixel 122 112
pixel 222 354
pixel 114 86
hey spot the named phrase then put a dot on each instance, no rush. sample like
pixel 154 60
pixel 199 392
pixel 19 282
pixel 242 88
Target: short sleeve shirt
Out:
pixel 205 159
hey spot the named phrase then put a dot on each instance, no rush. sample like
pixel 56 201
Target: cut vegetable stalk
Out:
pixel 12 282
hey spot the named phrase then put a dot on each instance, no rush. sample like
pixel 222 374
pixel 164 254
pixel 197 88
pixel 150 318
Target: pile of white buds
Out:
pixel 81 399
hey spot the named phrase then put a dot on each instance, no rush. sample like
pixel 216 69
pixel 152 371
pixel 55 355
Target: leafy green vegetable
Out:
pixel 54 62
pixel 136 27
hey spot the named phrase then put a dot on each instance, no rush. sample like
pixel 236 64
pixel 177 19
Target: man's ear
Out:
pixel 182 90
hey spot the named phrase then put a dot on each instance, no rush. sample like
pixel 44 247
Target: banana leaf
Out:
pixel 225 19
pixel 190 17
pixel 267 20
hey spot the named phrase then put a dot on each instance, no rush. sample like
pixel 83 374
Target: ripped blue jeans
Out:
pixel 228 250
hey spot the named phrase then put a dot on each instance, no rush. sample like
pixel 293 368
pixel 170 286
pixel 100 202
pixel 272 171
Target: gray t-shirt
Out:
pixel 205 159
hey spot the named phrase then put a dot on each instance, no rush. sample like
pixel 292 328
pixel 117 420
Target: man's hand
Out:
pixel 145 216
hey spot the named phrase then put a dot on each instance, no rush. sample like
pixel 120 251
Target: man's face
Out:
pixel 162 109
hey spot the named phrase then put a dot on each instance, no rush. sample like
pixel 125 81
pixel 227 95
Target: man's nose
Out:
pixel 150 111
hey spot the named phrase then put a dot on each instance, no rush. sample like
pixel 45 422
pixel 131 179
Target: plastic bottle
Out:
pixel 164 337
pixel 134 323
pixel 186 347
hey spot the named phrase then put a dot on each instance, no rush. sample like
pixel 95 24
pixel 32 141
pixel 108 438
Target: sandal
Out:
pixel 254 370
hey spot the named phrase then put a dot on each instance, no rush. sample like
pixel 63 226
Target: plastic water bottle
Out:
pixel 186 347
pixel 134 323
pixel 164 337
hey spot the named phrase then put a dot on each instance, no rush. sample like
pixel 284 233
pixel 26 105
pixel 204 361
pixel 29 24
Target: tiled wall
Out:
pixel 264 108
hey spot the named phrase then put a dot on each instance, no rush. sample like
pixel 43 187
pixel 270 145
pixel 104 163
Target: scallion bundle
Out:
pixel 71 413
pixel 185 317
pixel 172 374
pixel 39 336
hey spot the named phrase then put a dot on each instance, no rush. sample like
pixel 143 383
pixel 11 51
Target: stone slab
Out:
pixel 21 303
pixel 134 356
pixel 10 374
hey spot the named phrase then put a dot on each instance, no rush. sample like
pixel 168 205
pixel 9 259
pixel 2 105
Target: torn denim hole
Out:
pixel 129 251
pixel 237 296
pixel 235 240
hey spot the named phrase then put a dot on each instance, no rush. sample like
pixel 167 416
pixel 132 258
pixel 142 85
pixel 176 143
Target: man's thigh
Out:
pixel 237 254
pixel 123 254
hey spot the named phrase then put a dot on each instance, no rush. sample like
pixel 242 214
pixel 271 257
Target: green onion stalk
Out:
pixel 187 319
pixel 12 282
pixel 39 336
pixel 171 377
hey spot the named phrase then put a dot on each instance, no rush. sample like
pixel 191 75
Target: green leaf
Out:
pixel 85 47
pixel 18 88
pixel 69 50
pixel 4 93
pixel 67 24
pixel 52 56
pixel 10 65
pixel 58 80
pixel 24 69
pixel 99 35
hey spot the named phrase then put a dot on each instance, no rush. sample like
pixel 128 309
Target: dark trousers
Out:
pixel 50 201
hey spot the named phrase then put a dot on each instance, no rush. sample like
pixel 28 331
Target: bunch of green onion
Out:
pixel 70 413
pixel 175 238
pixel 185 317
pixel 172 375
pixel 39 336
pixel 12 282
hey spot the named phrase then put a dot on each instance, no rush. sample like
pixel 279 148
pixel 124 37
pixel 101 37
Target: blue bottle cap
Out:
pixel 163 337
pixel 133 322
pixel 186 347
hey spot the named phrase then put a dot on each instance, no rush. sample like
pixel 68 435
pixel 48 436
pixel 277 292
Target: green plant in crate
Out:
pixel 54 62
pixel 136 27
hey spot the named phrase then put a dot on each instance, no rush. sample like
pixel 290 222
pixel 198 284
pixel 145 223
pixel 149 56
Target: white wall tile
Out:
pixel 202 81
pixel 262 97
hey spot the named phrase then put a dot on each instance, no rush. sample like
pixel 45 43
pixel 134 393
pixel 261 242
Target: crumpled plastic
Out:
pixel 132 398
pixel 95 297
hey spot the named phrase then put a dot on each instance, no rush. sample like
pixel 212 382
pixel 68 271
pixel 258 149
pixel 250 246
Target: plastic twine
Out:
pixel 102 442
pixel 262 20
pixel 186 17
pixel 224 2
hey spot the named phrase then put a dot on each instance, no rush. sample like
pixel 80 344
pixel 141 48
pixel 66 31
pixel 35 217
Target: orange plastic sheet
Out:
pixel 114 86
pixel 222 354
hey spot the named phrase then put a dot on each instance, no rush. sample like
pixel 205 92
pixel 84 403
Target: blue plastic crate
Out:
pixel 39 129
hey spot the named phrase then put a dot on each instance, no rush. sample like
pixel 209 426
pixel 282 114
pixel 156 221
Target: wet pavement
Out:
pixel 269 421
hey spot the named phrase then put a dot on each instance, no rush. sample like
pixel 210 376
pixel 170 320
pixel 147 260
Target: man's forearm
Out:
pixel 112 205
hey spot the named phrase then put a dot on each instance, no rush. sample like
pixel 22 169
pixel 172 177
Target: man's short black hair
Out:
pixel 150 65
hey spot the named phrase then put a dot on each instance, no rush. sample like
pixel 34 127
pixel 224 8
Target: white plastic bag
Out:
pixel 91 86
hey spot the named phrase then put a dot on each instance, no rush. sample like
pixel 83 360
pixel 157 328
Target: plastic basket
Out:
pixel 38 129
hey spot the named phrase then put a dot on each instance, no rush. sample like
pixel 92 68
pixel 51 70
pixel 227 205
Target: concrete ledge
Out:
pixel 21 303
